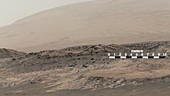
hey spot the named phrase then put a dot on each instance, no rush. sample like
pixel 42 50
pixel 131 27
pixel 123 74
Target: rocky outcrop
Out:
pixel 8 53
pixel 78 56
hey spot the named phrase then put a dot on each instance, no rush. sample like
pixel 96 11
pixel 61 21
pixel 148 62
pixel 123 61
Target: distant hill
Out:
pixel 99 21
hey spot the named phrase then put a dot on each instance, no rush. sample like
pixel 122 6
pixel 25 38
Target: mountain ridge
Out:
pixel 93 22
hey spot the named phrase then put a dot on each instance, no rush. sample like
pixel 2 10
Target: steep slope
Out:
pixel 100 21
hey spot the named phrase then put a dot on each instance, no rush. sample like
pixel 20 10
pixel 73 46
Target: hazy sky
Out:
pixel 12 10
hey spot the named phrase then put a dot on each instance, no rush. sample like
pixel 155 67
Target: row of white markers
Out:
pixel 137 55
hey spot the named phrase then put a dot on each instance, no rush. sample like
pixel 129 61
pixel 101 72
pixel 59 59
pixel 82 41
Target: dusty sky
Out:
pixel 12 10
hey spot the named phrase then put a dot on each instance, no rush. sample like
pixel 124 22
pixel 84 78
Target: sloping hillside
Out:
pixel 99 21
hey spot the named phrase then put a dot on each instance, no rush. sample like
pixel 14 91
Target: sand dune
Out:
pixel 100 21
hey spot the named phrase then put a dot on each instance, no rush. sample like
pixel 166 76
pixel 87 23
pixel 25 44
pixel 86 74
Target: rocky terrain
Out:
pixel 8 53
pixel 84 69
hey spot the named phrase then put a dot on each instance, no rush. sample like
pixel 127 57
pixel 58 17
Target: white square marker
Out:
pixel 123 57
pixel 156 57
pixel 112 57
pixel 134 57
pixel 145 57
